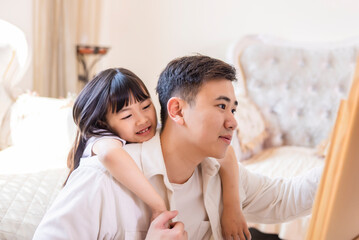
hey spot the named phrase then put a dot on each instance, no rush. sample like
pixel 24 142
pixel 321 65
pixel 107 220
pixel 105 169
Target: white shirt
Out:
pixel 190 194
pixel 93 205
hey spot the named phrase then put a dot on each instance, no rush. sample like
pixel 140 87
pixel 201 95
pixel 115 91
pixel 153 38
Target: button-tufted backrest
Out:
pixel 297 87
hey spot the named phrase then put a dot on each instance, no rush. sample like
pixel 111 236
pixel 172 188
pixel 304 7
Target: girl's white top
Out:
pixel 92 140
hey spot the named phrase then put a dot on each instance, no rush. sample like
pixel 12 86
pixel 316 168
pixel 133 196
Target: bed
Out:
pixel 36 134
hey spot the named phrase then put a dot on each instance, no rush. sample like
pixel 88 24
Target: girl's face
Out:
pixel 134 123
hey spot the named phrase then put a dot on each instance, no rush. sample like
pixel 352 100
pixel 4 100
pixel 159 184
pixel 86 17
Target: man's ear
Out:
pixel 174 109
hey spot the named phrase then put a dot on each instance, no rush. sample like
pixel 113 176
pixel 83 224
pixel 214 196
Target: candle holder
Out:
pixel 84 55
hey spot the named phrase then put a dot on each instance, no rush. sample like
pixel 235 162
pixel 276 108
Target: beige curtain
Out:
pixel 58 26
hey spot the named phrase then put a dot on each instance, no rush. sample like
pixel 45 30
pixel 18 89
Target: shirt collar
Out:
pixel 152 157
pixel 210 166
pixel 153 162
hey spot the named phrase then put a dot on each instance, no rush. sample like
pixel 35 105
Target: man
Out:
pixel 197 105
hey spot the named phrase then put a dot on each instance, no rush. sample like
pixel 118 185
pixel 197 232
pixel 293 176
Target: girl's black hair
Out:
pixel 111 89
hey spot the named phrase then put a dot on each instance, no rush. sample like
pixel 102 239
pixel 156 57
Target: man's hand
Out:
pixel 160 228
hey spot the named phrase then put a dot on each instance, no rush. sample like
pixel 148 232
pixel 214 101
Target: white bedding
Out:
pixel 285 162
pixel 25 199
pixel 30 179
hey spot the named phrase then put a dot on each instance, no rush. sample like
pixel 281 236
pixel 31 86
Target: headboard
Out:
pixel 14 62
pixel 297 86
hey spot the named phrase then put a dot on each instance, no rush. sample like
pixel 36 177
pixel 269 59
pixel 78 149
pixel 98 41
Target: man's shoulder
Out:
pixel 150 148
pixel 89 168
pixel 133 147
pixel 135 150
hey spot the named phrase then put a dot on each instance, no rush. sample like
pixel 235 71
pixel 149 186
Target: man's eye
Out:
pixel 128 116
pixel 223 106
pixel 147 106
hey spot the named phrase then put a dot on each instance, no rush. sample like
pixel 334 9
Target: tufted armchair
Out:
pixel 289 95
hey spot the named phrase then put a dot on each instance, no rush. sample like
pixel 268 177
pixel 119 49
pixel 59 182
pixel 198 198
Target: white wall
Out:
pixel 19 13
pixel 145 35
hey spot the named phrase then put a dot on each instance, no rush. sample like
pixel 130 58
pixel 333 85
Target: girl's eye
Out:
pixel 234 111
pixel 147 106
pixel 128 116
pixel 223 106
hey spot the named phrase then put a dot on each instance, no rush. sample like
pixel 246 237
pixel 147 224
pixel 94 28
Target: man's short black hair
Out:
pixel 184 76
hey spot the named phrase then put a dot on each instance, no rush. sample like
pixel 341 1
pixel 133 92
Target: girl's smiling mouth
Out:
pixel 144 131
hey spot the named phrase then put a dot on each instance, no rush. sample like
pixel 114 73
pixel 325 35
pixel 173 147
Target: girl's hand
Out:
pixel 160 208
pixel 156 214
pixel 234 225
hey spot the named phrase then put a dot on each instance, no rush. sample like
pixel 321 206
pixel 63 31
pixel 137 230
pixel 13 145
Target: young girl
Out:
pixel 115 108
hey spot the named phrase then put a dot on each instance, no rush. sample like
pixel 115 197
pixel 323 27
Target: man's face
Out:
pixel 210 118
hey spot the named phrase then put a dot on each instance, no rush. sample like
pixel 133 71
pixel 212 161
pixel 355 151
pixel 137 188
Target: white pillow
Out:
pixel 42 121
pixel 251 131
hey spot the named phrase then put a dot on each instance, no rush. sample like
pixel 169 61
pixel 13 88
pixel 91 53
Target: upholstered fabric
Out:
pixel 14 61
pixel 25 199
pixel 323 148
pixel 7 55
pixel 14 38
pixel 297 87
pixel 251 131
pixel 33 169
pixel 5 58
pixel 40 132
pixel 46 121
pixel 285 162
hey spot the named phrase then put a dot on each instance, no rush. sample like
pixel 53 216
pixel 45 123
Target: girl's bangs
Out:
pixel 127 93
